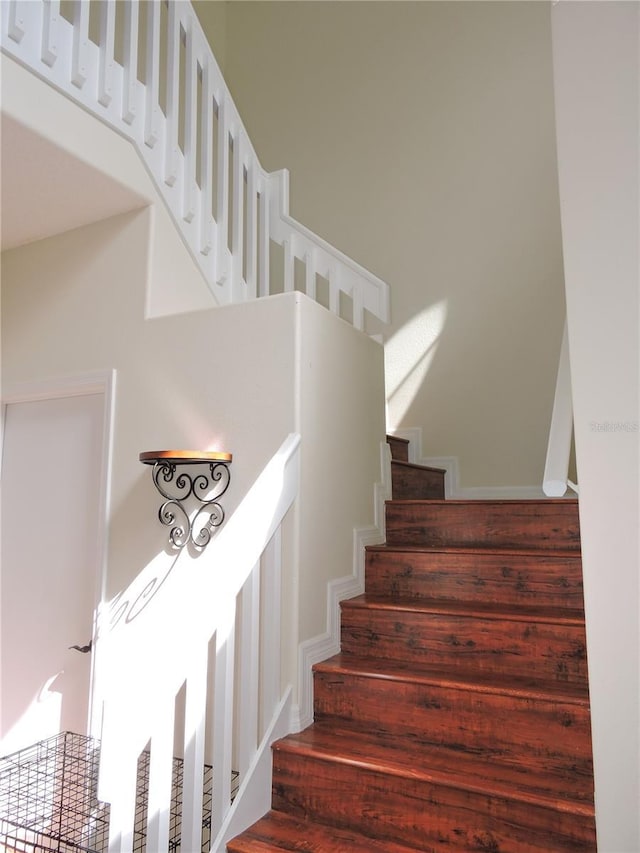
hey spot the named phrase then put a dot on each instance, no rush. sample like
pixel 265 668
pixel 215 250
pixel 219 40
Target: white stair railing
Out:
pixel 146 69
pixel 209 627
pixel 556 469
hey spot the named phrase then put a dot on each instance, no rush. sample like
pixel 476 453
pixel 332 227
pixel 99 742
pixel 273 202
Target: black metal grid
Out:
pixel 48 799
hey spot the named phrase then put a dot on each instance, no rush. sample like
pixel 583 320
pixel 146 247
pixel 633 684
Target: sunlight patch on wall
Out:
pixel 39 721
pixel 408 356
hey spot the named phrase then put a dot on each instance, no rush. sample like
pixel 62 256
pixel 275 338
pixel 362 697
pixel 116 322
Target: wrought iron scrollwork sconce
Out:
pixel 201 487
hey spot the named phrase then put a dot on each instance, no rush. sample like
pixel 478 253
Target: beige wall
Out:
pixel 420 140
pixel 597 70
pixel 75 303
pixel 212 15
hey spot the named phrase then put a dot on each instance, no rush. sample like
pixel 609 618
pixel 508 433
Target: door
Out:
pixel 51 496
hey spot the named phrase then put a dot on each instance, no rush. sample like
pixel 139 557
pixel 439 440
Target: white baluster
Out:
pixel 270 626
pixel 123 808
pixel 222 200
pixel 79 57
pixel 194 737
pixel 160 780
pixel 288 265
pixel 310 274
pixel 49 52
pixel 334 290
pixel 190 128
pixel 223 720
pixel 248 672
pixel 107 41
pixel 251 274
pixel 237 233
pixel 206 162
pixel 16 26
pixel 173 81
pixel 152 107
pixel 130 75
pixel 263 242
pixel 358 306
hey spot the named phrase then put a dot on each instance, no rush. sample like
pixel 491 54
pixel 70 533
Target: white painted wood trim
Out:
pixel 327 644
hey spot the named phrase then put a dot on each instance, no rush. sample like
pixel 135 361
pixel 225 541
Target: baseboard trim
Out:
pixel 325 645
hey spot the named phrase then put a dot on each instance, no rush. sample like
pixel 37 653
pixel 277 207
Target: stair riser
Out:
pixel 429 816
pixel 504 579
pixel 541 735
pixel 409 482
pixel 507 524
pixel 399 448
pixel 548 651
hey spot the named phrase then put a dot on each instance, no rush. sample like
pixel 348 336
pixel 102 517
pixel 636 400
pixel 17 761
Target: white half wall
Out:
pixel 597 73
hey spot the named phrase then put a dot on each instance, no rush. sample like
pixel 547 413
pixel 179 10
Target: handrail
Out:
pixel 168 632
pixel 187 129
pixel 556 469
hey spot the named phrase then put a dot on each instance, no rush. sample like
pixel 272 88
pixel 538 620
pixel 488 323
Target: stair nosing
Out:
pixel 463 609
pixel 507 551
pixel 385 670
pixel 486 501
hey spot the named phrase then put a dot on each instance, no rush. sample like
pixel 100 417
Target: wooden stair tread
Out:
pixel 405 758
pixel 280 831
pixel 472 680
pixel 477 610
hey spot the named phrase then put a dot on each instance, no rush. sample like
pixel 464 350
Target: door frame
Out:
pixel 100 382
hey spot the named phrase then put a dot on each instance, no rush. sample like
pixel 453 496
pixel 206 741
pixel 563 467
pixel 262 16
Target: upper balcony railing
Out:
pixel 147 70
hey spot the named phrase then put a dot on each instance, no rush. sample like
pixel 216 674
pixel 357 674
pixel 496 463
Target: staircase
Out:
pixel 456 717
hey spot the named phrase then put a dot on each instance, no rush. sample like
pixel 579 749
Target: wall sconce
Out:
pixel 200 487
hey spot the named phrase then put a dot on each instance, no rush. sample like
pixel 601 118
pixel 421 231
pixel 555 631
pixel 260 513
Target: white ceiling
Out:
pixel 45 190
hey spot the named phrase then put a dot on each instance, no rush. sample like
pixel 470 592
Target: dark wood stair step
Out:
pixel 540 524
pixel 511 721
pixel 280 831
pixel 476 574
pixel 545 643
pixel 399 448
pixel 426 796
pixel 410 481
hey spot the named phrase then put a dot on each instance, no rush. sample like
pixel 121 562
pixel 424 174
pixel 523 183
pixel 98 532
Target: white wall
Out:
pixel 76 303
pixel 420 140
pixel 597 72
